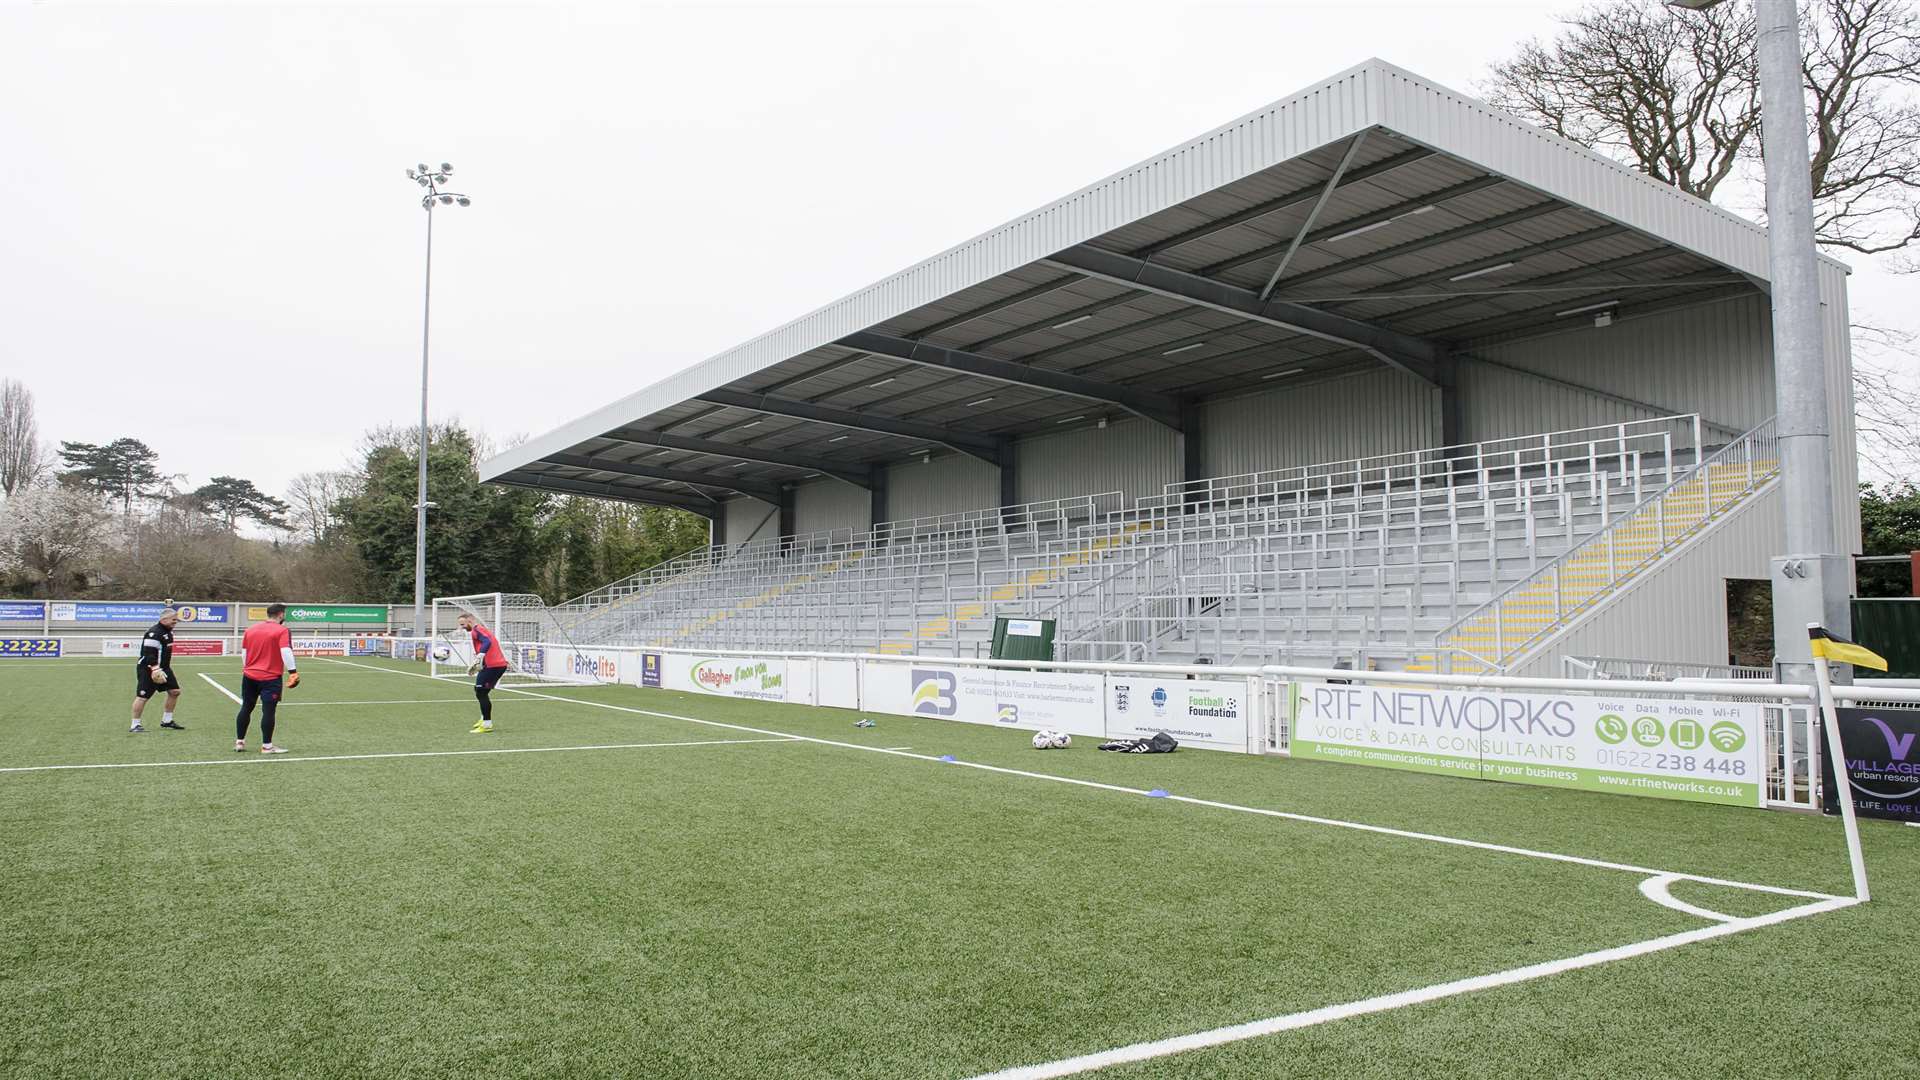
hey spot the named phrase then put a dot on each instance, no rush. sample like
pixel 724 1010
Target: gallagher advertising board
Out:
pixel 756 678
pixel 1697 751
pixel 1883 763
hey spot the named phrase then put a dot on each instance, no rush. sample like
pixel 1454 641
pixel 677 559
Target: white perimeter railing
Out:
pixel 1118 700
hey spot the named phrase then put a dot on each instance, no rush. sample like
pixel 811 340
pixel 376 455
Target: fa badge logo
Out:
pixel 1122 697
pixel 1159 698
pixel 933 692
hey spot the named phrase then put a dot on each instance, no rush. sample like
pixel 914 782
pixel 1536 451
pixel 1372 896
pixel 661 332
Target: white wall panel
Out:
pixel 1379 412
pixel 750 519
pixel 1714 359
pixel 1134 457
pixel 825 505
pixel 945 485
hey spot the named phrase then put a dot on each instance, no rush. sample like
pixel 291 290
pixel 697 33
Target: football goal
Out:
pixel 537 647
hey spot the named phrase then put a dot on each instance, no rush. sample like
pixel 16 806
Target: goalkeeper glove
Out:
pixel 473 668
pixel 293 679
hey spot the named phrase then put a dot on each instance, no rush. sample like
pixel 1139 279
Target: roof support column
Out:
pixel 1193 465
pixel 1446 372
pixel 717 529
pixel 1009 481
pixel 877 498
pixel 789 514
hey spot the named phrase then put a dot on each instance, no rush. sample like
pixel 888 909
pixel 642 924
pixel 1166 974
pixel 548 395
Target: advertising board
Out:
pixel 100 611
pixel 1200 712
pixel 1698 751
pixel 324 613
pixel 29 648
pixel 1882 748
pixel 319 646
pixel 1030 700
pixel 22 610
pixel 756 678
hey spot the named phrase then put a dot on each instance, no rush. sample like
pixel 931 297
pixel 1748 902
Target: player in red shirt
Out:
pixel 268 647
pixel 492 664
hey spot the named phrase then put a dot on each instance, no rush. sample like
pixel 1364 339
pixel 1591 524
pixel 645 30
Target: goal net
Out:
pixel 537 647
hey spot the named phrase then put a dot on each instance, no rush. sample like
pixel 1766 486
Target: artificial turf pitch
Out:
pixel 688 900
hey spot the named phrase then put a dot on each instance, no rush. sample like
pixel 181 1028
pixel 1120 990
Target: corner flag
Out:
pixel 1827 646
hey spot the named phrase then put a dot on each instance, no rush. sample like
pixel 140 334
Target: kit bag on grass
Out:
pixel 1160 743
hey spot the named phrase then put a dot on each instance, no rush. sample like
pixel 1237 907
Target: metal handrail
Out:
pixel 1748 443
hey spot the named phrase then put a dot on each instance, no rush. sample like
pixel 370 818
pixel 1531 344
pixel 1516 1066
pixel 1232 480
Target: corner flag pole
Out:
pixel 1837 757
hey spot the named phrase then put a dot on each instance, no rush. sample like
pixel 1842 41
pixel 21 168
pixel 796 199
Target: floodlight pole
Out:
pixel 431 180
pixel 1811 578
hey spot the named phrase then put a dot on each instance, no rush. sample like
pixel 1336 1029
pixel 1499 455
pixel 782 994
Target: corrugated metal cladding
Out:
pixel 1715 359
pixel 1134 457
pixel 945 485
pixel 750 519
pixel 1372 94
pixel 825 505
pixel 1680 612
pixel 1378 412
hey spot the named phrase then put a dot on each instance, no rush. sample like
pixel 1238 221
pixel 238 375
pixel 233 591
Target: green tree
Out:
pixel 1889 525
pixel 123 470
pixel 480 538
pixel 590 542
pixel 232 500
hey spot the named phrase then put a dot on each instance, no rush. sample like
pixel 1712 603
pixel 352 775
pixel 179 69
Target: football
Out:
pixel 442 653
pixel 1062 740
pixel 1043 740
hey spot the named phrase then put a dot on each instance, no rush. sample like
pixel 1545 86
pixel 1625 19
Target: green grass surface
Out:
pixel 772 909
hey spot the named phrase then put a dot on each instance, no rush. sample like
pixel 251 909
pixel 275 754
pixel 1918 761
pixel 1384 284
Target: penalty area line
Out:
pixel 1158 1048
pixel 215 683
pixel 257 759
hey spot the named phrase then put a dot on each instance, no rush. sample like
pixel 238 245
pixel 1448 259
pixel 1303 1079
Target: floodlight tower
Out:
pixel 1811 578
pixel 434 181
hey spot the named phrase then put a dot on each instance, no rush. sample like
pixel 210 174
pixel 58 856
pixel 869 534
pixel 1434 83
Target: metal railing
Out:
pixel 1503 630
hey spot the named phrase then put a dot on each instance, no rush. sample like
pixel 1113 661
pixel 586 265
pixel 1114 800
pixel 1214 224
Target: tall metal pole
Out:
pixel 420 504
pixel 1811 579
pixel 1799 371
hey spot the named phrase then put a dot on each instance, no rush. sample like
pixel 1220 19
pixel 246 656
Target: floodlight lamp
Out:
pixel 446 200
pixel 446 168
pixel 411 175
pixel 464 201
pixel 1693 5
pixel 422 166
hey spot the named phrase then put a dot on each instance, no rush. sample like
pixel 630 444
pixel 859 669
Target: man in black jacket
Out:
pixel 153 672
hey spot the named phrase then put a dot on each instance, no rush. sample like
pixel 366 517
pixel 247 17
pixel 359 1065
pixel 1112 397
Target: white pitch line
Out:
pixel 1481 845
pixel 286 760
pixel 899 748
pixel 1655 889
pixel 215 683
pixel 284 703
pixel 1158 1048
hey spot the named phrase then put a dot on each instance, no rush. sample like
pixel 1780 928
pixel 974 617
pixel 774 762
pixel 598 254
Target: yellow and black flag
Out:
pixel 1829 646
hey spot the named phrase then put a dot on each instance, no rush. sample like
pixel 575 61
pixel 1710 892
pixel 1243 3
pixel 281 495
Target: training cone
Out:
pixel 1157 793
pixel 946 757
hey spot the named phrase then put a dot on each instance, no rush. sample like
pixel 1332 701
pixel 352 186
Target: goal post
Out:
pixel 531 638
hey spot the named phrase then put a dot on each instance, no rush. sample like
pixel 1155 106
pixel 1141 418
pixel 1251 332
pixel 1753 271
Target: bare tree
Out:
pixel 314 498
pixel 22 458
pixel 1675 94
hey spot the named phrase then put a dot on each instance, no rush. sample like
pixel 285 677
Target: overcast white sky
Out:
pixel 207 240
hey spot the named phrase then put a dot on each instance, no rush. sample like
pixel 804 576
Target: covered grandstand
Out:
pixel 1376 374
